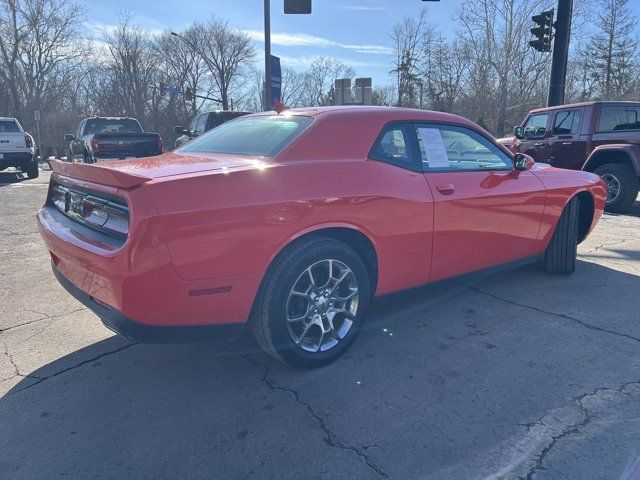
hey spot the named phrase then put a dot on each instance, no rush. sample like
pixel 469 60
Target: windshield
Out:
pixel 117 125
pixel 263 136
pixel 9 126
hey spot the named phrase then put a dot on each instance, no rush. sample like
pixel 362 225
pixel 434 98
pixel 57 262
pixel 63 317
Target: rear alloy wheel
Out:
pixel 312 303
pixel 622 186
pixel 560 255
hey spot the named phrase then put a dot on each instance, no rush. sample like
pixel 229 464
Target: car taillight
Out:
pixel 104 214
pixel 28 141
pixel 160 144
pixel 95 146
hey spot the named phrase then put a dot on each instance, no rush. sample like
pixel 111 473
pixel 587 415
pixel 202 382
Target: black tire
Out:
pixel 560 255
pixel 268 320
pixel 31 169
pixel 628 183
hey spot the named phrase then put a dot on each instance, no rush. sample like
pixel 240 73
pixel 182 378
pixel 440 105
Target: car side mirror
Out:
pixel 179 129
pixel 522 162
pixel 69 137
pixel 517 132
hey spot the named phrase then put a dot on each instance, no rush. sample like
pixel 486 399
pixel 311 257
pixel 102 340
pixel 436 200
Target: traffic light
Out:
pixel 188 94
pixel 161 88
pixel 297 6
pixel 543 31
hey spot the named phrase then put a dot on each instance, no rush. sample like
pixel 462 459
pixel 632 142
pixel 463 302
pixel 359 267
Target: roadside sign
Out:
pixel 36 115
pixel 275 86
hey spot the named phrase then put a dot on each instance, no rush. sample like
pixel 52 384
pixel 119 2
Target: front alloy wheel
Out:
pixel 312 302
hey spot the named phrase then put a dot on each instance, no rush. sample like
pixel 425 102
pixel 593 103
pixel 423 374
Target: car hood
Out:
pixel 129 173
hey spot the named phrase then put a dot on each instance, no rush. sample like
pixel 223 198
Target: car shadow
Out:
pixel 121 410
pixel 9 178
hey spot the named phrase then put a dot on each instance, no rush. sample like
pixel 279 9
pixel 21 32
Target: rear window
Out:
pixel 613 119
pixel 263 136
pixel 104 125
pixel 9 126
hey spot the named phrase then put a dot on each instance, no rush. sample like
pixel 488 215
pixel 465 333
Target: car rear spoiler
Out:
pixel 98 174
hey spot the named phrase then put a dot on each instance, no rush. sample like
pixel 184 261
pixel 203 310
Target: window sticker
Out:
pixel 434 147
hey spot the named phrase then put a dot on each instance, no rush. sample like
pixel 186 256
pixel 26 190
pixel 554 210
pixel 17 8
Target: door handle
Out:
pixel 447 189
pixel 567 143
pixel 541 144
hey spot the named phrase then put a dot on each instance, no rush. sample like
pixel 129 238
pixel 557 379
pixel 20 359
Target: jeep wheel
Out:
pixel 312 303
pixel 622 186
pixel 560 255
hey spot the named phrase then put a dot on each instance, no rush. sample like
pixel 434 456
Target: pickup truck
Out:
pixel 598 137
pixel 99 138
pixel 203 122
pixel 16 148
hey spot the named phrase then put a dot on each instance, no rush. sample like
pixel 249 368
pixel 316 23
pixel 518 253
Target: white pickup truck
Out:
pixel 16 148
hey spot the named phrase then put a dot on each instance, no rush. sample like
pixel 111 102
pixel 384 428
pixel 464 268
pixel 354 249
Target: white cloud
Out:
pixel 305 40
pixel 361 8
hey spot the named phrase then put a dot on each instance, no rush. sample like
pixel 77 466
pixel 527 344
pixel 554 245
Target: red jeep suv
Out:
pixel 599 137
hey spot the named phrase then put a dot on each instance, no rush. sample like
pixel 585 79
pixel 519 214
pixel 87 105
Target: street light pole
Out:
pixel 267 56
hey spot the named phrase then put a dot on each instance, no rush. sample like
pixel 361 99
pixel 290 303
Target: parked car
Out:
pixel 16 148
pixel 203 122
pixel 99 138
pixel 264 222
pixel 599 137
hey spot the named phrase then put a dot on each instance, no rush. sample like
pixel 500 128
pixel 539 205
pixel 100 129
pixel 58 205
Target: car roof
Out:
pixel 583 104
pixel 8 119
pixel 388 114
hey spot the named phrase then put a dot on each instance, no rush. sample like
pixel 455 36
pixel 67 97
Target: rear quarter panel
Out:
pixel 218 224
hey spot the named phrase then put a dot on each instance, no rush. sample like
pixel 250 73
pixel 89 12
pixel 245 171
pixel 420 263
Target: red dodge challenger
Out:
pixel 290 223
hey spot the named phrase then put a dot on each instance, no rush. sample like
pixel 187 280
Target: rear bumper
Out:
pixel 137 282
pixel 140 332
pixel 15 159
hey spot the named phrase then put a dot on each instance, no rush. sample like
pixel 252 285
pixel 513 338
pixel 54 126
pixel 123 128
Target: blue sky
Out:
pixel 354 31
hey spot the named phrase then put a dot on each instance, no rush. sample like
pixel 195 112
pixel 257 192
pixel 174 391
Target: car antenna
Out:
pixel 279 107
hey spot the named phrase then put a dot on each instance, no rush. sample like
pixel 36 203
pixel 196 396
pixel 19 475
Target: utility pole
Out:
pixel 560 53
pixel 268 102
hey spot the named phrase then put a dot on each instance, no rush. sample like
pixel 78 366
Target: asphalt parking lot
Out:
pixel 515 375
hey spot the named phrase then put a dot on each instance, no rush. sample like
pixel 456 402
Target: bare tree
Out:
pixel 228 53
pixel 41 51
pixel 320 77
pixel 410 37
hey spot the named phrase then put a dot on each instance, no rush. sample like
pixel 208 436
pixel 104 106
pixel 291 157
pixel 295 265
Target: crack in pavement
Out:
pixel 569 429
pixel 329 437
pixel 46 317
pixel 16 369
pixel 612 244
pixel 561 315
pixel 73 367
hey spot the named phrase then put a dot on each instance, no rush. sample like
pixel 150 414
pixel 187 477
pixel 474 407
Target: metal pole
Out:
pixel 268 102
pixel 560 53
pixel 39 139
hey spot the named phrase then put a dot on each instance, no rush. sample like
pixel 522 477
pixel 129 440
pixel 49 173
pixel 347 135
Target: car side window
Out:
pixel 202 123
pixel 536 125
pixel 393 146
pixel 194 123
pixel 613 119
pixel 451 148
pixel 566 122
